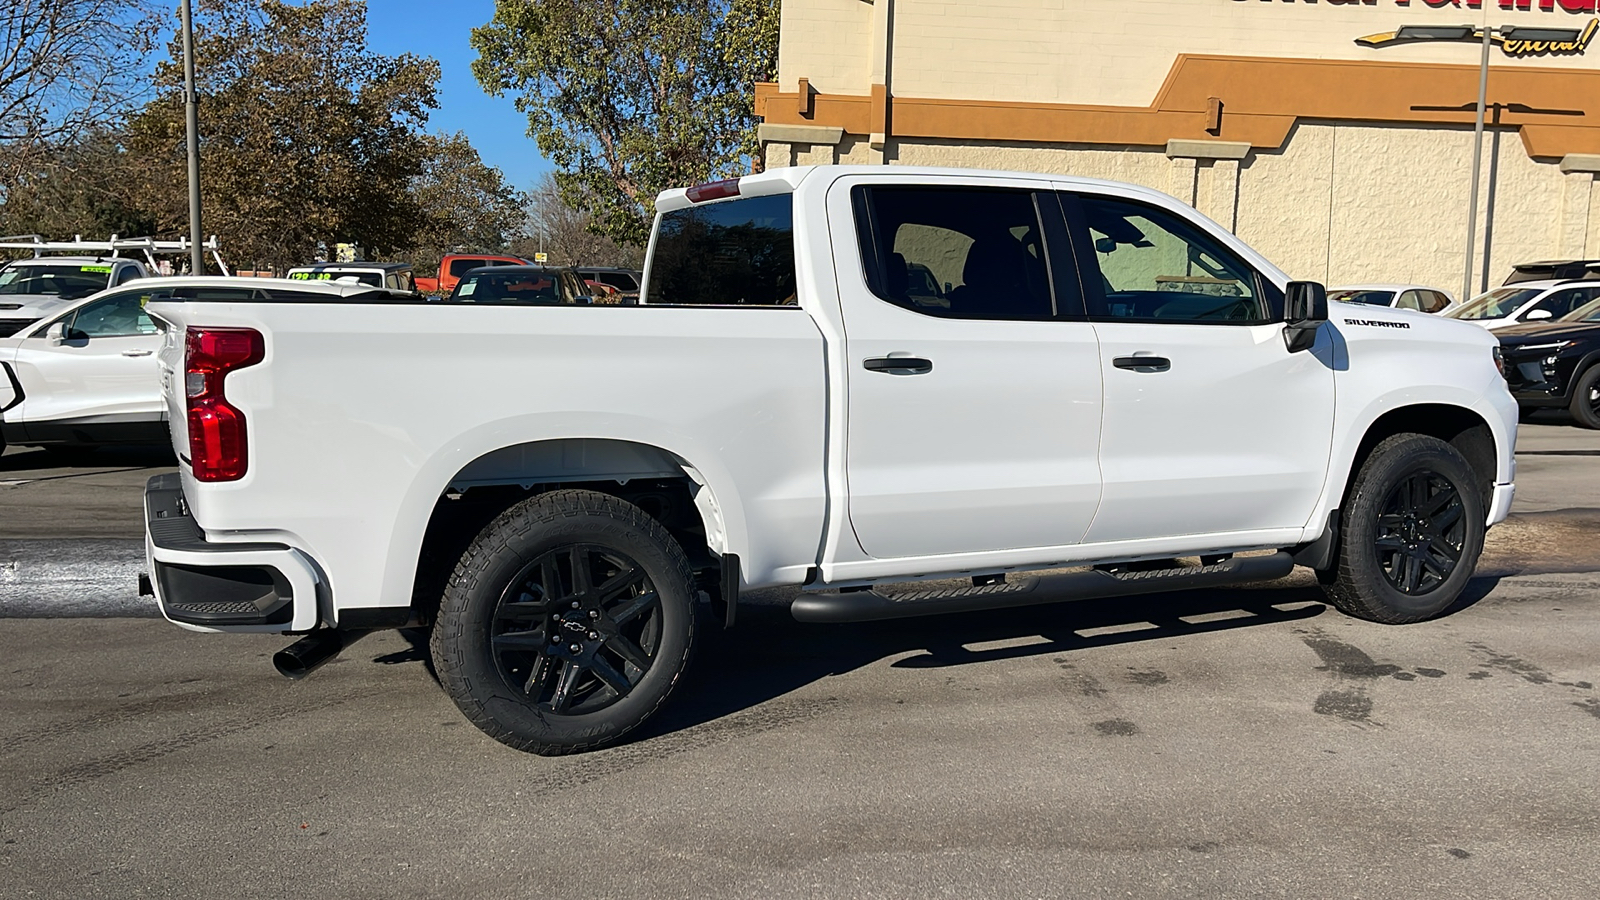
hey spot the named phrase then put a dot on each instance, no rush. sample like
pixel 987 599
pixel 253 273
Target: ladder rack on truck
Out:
pixel 115 247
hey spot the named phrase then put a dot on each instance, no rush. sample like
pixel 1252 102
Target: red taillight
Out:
pixel 216 427
pixel 716 190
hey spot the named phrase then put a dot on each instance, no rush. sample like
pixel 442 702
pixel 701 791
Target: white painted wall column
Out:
pixel 1577 184
pixel 1213 189
pixel 799 145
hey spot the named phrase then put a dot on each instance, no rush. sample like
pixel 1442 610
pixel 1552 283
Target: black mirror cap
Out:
pixel 1305 302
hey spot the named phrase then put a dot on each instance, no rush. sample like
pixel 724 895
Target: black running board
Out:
pixel 869 606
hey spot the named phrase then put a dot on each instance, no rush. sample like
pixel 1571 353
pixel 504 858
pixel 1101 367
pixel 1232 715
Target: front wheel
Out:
pixel 1585 406
pixel 566 624
pixel 1411 532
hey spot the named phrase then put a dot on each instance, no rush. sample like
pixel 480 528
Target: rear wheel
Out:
pixel 566 624
pixel 1411 532
pixel 1585 404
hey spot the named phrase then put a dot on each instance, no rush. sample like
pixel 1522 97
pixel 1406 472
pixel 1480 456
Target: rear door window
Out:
pixel 1561 303
pixel 458 266
pixel 728 253
pixel 960 253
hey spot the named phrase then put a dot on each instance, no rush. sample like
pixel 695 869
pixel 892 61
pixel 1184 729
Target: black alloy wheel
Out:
pixel 577 629
pixel 567 623
pixel 1411 530
pixel 1420 533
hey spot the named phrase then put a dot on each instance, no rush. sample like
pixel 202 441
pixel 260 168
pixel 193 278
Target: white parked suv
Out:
pixel 1525 302
pixel 1111 382
pixel 86 375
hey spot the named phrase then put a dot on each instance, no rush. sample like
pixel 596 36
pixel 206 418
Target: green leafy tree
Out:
pixel 467 203
pixel 630 97
pixel 307 136
pixel 85 184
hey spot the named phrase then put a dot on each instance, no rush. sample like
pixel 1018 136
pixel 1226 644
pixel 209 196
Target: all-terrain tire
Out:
pixel 1380 544
pixel 490 623
pixel 1583 404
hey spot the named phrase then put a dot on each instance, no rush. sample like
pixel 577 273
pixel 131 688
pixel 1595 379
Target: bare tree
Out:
pixel 67 67
pixel 565 233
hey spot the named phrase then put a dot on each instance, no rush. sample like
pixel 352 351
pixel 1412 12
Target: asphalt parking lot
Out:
pixel 1211 743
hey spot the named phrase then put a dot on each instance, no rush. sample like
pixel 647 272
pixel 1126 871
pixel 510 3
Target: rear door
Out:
pixel 100 380
pixel 1211 425
pixel 973 398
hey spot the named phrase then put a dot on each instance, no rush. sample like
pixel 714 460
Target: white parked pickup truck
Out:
pixel 1083 376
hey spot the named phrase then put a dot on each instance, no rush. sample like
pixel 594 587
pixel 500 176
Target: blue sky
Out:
pixel 442 31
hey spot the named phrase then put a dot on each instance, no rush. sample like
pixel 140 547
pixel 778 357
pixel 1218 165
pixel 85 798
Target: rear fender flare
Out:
pixel 716 498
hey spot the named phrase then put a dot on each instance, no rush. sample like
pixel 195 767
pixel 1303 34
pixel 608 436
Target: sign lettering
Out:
pixel 1511 47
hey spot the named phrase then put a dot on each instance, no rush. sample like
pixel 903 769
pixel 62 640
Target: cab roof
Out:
pixel 787 179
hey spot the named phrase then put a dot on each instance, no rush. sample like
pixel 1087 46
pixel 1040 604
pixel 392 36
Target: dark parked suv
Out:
pixel 1553 364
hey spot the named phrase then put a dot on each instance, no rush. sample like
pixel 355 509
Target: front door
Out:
pixel 100 382
pixel 974 408
pixel 1211 425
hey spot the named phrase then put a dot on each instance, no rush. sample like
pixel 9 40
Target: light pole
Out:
pixel 1485 36
pixel 191 112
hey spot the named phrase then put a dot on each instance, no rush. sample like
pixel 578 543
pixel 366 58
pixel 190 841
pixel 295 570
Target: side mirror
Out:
pixel 1305 308
pixel 57 334
pixel 1538 314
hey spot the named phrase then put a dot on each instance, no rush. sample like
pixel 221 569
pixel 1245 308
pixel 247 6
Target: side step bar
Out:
pixel 870 606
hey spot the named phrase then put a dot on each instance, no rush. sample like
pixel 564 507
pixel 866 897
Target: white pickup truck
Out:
pixel 838 379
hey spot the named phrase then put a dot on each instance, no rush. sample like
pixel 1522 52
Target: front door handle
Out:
pixel 137 352
pixel 1143 363
pixel 899 365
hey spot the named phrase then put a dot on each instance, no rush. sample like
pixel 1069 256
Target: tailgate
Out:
pixel 171 364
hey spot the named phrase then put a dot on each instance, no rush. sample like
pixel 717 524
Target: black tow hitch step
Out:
pixel 871 605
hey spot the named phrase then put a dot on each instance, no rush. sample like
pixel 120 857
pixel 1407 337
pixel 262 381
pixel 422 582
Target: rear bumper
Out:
pixel 211 586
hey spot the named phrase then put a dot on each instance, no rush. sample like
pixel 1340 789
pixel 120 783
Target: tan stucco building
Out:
pixel 1344 160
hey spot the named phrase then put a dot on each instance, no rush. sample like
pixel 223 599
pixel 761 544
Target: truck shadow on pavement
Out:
pixel 768 654
pixel 123 458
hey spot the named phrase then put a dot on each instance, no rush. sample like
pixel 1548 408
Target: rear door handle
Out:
pixel 899 365
pixel 1143 363
pixel 137 352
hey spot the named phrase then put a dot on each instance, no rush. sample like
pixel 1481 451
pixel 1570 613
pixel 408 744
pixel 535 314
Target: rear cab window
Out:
pixel 726 253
